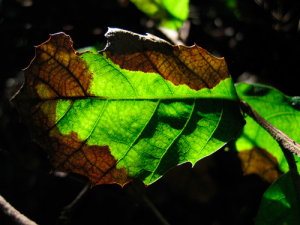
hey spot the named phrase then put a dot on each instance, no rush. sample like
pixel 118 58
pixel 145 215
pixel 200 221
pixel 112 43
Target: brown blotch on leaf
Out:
pixel 192 66
pixel 260 162
pixel 74 155
pixel 39 116
pixel 58 69
pixel 56 72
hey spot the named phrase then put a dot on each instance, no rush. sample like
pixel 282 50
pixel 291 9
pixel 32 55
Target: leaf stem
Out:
pixel 14 214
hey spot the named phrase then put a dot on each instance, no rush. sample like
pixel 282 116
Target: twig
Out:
pixel 284 141
pixel 288 145
pixel 68 210
pixel 14 214
pixel 293 170
pixel 150 205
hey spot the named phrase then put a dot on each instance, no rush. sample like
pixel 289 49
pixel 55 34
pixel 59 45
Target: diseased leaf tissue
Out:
pixel 136 109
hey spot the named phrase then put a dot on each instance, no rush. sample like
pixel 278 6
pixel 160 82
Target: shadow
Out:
pixel 220 119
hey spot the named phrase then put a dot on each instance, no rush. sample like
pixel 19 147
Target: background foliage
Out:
pixel 259 40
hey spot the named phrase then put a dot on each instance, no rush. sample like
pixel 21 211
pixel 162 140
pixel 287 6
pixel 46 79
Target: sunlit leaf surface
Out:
pixel 169 14
pixel 136 109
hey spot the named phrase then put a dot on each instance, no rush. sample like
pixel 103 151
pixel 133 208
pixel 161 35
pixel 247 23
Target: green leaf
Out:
pixel 233 7
pixel 279 204
pixel 136 109
pixel 280 110
pixel 169 13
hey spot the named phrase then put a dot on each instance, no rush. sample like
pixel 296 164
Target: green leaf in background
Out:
pixel 169 13
pixel 232 5
pixel 280 110
pixel 279 205
pixel 94 49
pixel 134 110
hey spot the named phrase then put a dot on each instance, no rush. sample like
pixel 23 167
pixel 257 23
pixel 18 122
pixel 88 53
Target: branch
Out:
pixel 68 211
pixel 14 214
pixel 294 172
pixel 283 140
pixel 288 145
pixel 150 205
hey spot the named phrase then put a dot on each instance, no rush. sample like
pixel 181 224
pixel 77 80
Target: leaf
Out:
pixel 280 110
pixel 279 204
pixel 259 161
pixel 170 14
pixel 136 109
pixel 232 7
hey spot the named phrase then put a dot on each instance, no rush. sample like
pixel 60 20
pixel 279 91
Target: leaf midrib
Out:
pixel 177 97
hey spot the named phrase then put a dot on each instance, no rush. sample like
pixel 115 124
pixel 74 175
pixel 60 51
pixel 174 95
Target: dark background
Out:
pixel 259 40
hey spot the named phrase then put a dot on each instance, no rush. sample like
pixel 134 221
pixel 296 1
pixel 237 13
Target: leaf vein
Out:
pixel 178 135
pixel 66 68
